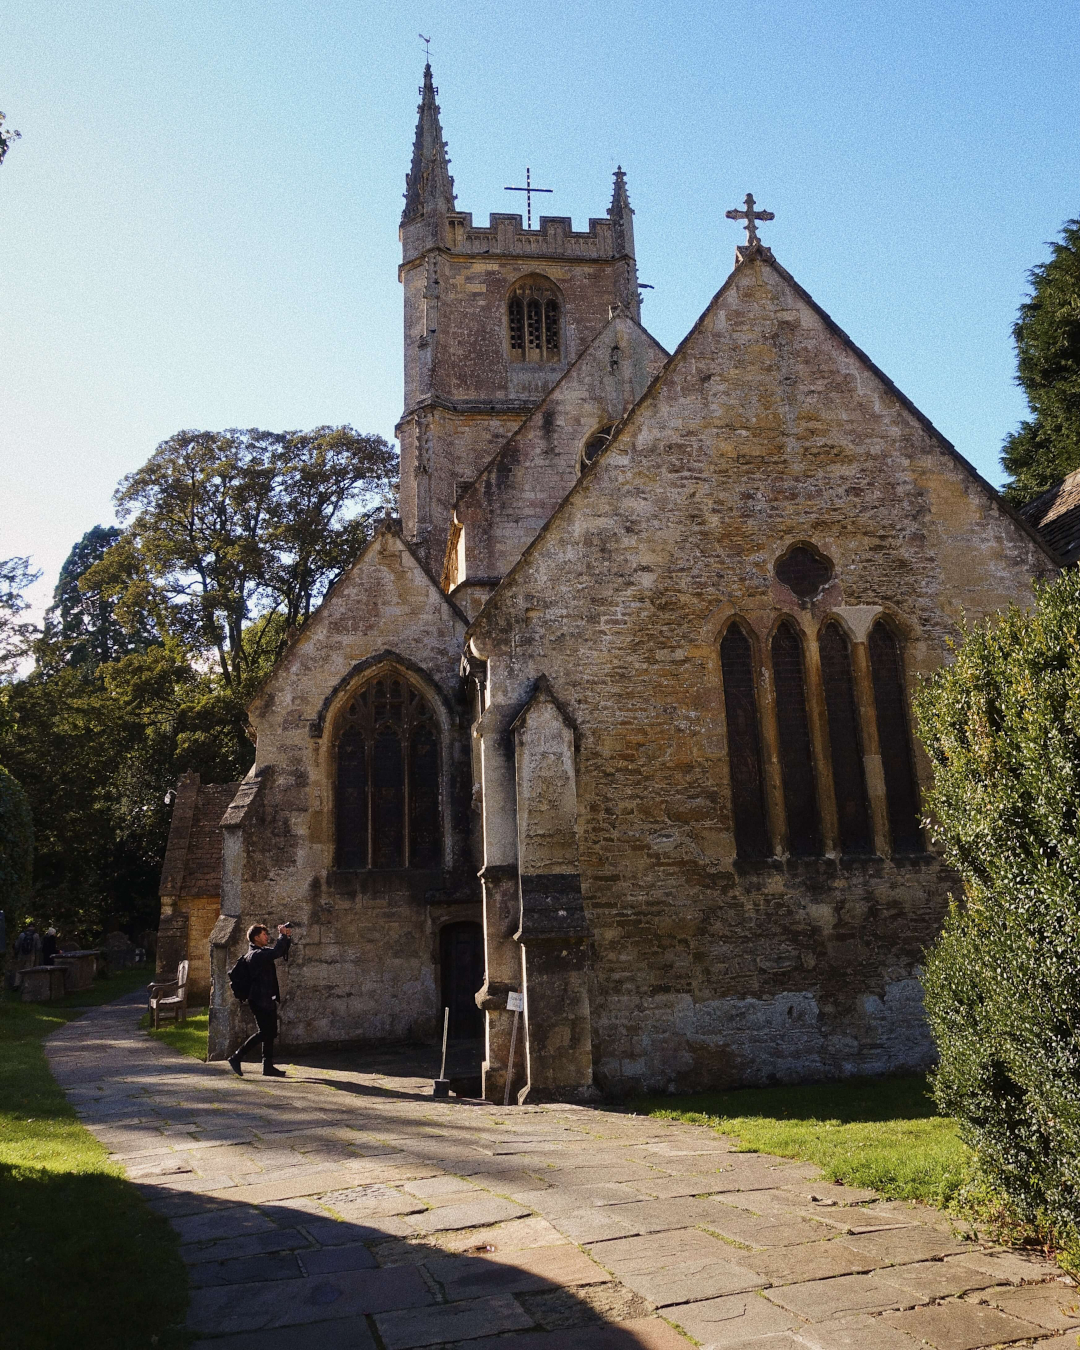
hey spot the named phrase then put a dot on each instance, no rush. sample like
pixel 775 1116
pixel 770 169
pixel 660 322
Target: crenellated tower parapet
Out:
pixel 506 235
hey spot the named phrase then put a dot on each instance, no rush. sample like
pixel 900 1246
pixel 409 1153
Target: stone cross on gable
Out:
pixel 751 217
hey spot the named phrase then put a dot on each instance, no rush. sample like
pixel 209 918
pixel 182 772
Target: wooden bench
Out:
pixel 168 998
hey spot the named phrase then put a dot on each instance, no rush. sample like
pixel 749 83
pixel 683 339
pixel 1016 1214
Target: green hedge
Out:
pixel 1002 727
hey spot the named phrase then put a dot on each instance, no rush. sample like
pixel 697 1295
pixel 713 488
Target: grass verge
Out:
pixel 83 1260
pixel 884 1133
pixel 189 1037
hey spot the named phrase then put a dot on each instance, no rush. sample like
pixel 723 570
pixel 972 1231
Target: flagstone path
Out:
pixel 348 1210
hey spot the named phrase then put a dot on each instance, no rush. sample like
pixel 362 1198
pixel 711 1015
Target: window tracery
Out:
pixel 387 802
pixel 820 699
pixel 804 571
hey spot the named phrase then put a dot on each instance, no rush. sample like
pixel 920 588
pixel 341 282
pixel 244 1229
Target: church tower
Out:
pixel 494 315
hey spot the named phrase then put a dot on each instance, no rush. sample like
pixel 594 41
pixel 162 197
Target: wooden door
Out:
pixel 461 951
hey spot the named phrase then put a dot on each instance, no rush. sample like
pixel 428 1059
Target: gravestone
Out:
pixel 119 952
pixel 41 984
pixel 80 967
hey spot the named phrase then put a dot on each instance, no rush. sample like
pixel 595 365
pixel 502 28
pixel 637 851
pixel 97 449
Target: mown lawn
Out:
pixel 189 1037
pixel 884 1133
pixel 83 1260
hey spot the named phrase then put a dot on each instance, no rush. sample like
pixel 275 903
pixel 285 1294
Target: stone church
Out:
pixel 617 714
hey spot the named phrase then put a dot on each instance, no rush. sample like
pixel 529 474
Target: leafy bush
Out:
pixel 16 846
pixel 1002 728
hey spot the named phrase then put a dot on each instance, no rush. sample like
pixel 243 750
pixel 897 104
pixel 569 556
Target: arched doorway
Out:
pixel 461 960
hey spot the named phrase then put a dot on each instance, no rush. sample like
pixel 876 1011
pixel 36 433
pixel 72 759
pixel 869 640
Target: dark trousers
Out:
pixel 266 1020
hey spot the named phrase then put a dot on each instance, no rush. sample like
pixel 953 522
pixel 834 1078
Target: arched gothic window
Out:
pixel 796 751
pixel 534 323
pixel 849 777
pixel 388 779
pixel 894 736
pixel 744 745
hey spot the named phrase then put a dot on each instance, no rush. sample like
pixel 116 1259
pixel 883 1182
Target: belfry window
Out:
pixel 744 745
pixel 849 777
pixel 388 779
pixel 516 316
pixel 796 751
pixel 534 323
pixel 551 328
pixel 894 736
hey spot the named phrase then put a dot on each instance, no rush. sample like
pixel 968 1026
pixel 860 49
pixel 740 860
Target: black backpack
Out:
pixel 240 979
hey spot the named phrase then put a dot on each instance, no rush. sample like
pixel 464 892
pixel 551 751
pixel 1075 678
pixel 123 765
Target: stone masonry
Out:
pixel 766 427
pixel 587 523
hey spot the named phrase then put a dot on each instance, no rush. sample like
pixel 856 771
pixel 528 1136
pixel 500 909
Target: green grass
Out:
pixel 884 1133
pixel 188 1037
pixel 83 1260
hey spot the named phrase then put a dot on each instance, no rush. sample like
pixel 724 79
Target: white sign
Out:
pixel 515 1003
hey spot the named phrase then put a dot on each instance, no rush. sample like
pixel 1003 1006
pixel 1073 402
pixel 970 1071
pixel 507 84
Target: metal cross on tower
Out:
pixel 751 217
pixel 528 190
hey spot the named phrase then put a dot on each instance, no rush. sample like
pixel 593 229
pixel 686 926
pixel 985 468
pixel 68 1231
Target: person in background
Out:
pixel 48 947
pixel 263 995
pixel 27 951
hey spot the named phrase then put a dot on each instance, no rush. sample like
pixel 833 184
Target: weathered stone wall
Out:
pixel 364 965
pixel 463 393
pixel 767 428
pixel 202 914
pixel 517 493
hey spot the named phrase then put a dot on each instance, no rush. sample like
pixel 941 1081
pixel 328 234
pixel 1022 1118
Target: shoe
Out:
pixel 234 1064
pixel 269 1071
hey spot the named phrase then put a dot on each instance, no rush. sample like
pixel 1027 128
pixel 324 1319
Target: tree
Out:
pixel 16 847
pixel 16 636
pixel 157 636
pixel 227 528
pixel 96 749
pixel 1047 335
pixel 8 135
pixel 81 625
pixel 1002 728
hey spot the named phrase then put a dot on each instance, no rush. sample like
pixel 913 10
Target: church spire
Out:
pixel 428 185
pixel 621 214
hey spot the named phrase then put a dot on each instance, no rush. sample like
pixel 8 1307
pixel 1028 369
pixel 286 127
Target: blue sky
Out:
pixel 199 225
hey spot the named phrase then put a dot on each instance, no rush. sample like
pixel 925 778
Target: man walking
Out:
pixel 262 994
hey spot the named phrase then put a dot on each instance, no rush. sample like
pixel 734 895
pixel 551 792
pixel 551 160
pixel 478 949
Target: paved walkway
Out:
pixel 346 1209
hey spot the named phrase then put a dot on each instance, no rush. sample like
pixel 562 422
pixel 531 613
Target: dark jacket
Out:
pixel 264 985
